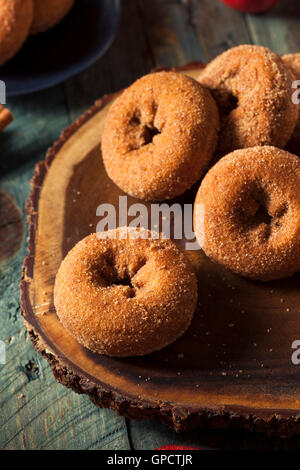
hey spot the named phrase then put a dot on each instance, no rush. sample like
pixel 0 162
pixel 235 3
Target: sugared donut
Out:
pixel 253 88
pixel 159 136
pixel 293 61
pixel 125 295
pixel 15 22
pixel 47 13
pixel 250 213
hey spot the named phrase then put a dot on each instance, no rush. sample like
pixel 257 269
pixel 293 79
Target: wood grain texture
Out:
pixel 232 368
pixel 36 412
pixel 211 27
pixel 11 228
pixel 278 29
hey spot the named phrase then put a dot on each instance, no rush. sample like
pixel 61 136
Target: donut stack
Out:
pixel 21 18
pixel 226 131
pixel 164 132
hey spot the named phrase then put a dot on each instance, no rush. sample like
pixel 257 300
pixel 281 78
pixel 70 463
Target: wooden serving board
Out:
pixel 233 366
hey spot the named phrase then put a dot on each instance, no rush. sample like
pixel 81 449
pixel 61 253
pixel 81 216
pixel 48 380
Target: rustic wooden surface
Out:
pixel 36 412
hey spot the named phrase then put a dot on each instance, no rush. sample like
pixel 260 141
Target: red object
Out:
pixel 251 6
pixel 177 448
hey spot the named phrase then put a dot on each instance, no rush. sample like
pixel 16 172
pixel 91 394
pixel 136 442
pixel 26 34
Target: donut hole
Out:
pixel 262 215
pixel 230 104
pixel 149 132
pixel 226 100
pixel 252 209
pixel 254 212
pixel 111 272
pixel 144 132
pixel 124 281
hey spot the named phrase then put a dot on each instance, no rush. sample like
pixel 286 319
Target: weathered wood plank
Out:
pixel 170 33
pixel 218 27
pixel 278 29
pixel 37 412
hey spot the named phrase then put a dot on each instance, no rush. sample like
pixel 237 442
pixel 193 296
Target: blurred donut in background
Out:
pixel 47 13
pixel 15 22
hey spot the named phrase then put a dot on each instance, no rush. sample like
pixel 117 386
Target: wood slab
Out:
pixel 233 366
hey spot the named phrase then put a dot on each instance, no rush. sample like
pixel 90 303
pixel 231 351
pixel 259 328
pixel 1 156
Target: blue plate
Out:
pixel 70 47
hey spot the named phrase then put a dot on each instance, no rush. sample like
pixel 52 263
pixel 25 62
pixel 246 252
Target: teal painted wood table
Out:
pixel 35 411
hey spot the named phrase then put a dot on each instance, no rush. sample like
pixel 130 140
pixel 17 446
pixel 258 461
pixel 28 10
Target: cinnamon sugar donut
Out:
pixel 159 136
pixel 253 89
pixel 15 22
pixel 251 213
pixel 293 61
pixel 125 295
pixel 47 13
